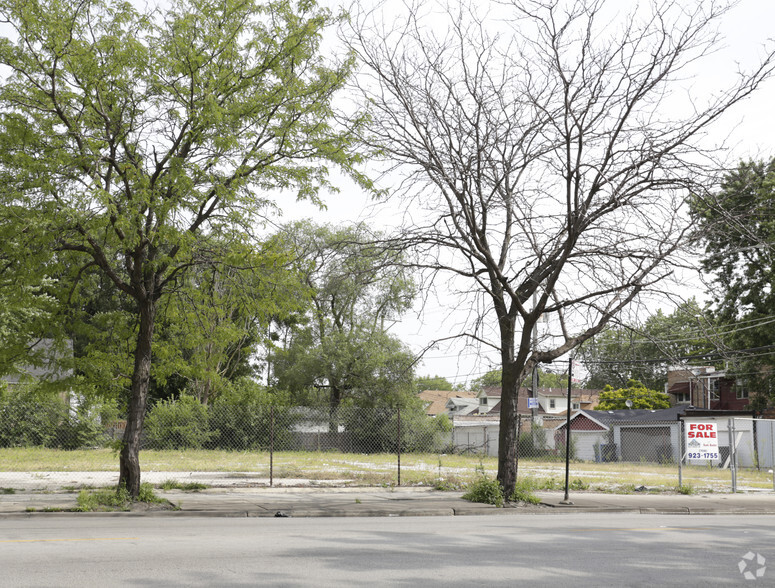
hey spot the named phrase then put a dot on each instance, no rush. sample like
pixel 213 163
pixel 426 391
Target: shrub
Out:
pixel 532 443
pixel 114 499
pixel 523 492
pixel 29 421
pixel 486 491
pixel 578 484
pixel 83 428
pixel 241 417
pixel 178 424
pixel 375 430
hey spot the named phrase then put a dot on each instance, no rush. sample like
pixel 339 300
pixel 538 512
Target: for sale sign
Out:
pixel 701 441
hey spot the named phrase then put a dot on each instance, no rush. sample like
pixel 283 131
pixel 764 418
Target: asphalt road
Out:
pixel 535 550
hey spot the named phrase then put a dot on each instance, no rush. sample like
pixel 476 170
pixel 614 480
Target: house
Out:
pixel 49 362
pixel 461 406
pixel 437 402
pixel 655 436
pixel 624 435
pixel 477 430
pixel 705 388
pixel 489 400
pixel 551 401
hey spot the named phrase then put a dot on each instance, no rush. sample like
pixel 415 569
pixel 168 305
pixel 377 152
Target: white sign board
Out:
pixel 532 402
pixel 701 441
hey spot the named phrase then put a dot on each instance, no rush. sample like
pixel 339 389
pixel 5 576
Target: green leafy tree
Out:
pixel 343 348
pixel 218 318
pixel 644 351
pixel 735 227
pixel 487 380
pixel 432 383
pixel 27 306
pixel 637 393
pixel 137 138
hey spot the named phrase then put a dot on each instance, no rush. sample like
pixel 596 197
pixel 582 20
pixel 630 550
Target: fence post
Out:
pixel 398 412
pixel 271 445
pixel 567 432
pixel 732 455
pixel 772 452
pixel 516 453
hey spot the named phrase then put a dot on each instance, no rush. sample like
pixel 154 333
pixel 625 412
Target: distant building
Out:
pixel 704 387
pixel 436 402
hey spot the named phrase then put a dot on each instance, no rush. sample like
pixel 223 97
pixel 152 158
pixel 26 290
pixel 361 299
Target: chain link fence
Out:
pixel 46 445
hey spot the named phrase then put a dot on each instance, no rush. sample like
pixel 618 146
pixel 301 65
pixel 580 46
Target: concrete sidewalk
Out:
pixel 380 502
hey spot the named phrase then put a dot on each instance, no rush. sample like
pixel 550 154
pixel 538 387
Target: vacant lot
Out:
pixel 442 471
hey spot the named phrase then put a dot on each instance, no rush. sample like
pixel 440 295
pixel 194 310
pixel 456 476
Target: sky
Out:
pixel 748 132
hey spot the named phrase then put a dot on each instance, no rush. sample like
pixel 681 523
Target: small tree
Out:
pixel 735 230
pixel 636 393
pixel 343 349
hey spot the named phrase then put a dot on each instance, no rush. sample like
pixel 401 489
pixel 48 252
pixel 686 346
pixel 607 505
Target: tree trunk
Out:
pixel 334 402
pixel 129 458
pixel 507 437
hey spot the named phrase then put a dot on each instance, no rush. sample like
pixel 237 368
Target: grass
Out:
pixel 523 491
pixel 444 472
pixel 114 499
pixel 185 486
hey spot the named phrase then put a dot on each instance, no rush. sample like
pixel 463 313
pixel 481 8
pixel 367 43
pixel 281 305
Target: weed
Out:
pixel 187 486
pixel 486 491
pixel 578 484
pixel 29 509
pixel 146 494
pixel 357 501
pixel 114 499
pixel 523 492
pixel 78 488
pixel 686 489
pixel 448 484
pixel 7 491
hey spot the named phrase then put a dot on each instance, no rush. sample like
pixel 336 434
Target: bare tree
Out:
pixel 539 144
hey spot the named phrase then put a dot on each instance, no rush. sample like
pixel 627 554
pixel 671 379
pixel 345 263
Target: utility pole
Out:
pixel 534 380
pixel 566 500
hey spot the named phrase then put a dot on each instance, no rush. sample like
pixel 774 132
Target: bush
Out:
pixel 241 428
pixel 83 428
pixel 375 430
pixel 486 491
pixel 178 424
pixel 532 443
pixel 578 484
pixel 31 418
pixel 241 418
pixel 27 422
pixel 523 492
